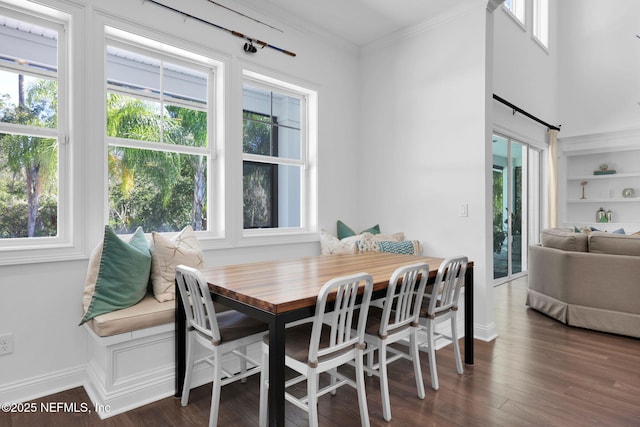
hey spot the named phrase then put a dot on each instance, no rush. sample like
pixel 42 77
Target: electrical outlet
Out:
pixel 6 344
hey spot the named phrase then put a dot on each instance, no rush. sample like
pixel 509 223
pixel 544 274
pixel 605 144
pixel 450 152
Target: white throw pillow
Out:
pixel 330 244
pixel 167 254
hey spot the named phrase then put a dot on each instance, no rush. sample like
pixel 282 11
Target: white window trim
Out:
pixel 212 237
pixel 308 230
pixel 515 18
pixel 68 244
pixel 537 24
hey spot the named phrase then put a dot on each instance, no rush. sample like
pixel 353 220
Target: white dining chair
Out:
pixel 229 332
pixel 333 338
pixel 440 305
pixel 396 320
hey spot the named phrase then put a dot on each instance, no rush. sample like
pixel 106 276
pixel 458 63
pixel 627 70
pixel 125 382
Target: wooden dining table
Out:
pixel 282 291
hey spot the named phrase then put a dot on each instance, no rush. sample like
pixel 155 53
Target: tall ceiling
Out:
pixel 357 21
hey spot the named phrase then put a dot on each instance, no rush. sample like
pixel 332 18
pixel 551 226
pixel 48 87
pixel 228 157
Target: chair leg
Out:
pixel 432 355
pixel 369 358
pixel 312 396
pixel 417 369
pixel 186 387
pixel 243 363
pixel 456 344
pixel 384 381
pixel 215 392
pixel 334 379
pixel 362 395
pixel 264 389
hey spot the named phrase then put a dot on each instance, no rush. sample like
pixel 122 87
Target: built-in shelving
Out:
pixel 579 158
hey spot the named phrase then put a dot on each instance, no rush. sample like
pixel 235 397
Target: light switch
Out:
pixel 464 210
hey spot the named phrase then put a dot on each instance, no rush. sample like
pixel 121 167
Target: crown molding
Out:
pixel 493 5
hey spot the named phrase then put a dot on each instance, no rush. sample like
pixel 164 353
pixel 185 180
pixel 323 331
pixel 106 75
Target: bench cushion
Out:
pixel 145 314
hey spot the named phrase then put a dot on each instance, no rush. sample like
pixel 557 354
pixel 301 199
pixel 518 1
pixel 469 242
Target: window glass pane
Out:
pixel 133 71
pixel 271 195
pixel 257 100
pixel 256 135
pixel 39 99
pixel 28 44
pixel 28 186
pixel 541 21
pixel 156 190
pixel 185 126
pixel 259 180
pixel 133 118
pixel 289 143
pixel 271 124
pixel 287 110
pixel 182 83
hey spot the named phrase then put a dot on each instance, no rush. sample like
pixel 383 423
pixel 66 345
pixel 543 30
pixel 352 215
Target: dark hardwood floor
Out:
pixel 538 372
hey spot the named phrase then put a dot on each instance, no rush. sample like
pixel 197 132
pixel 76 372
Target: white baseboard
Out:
pixel 42 385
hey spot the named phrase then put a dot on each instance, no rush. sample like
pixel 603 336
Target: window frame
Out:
pixel 182 57
pixel 541 20
pixel 517 11
pixel 66 244
pixel 307 161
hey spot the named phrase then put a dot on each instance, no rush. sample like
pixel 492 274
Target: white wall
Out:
pixel 41 303
pixel 526 75
pixel 423 141
pixel 599 66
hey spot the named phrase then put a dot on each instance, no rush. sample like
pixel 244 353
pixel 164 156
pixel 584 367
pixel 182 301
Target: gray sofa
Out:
pixel 591 281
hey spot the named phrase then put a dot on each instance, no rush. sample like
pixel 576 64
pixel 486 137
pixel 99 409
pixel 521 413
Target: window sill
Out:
pixel 41 255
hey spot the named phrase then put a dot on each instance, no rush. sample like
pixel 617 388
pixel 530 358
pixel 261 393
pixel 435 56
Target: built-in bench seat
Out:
pixel 131 355
pixel 145 314
pixel 131 360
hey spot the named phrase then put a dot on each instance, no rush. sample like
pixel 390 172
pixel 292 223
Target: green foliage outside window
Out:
pixel 28 163
pixel 156 189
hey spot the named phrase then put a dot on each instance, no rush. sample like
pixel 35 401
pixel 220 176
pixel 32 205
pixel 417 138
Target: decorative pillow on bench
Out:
pixel 167 254
pixel 118 274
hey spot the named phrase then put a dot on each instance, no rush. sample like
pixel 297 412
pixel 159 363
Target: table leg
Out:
pixel 180 345
pixel 276 371
pixel 468 316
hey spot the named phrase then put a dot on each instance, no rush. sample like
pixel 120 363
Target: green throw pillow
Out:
pixel 122 276
pixel 346 231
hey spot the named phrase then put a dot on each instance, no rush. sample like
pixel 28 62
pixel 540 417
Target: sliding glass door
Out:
pixel 516 201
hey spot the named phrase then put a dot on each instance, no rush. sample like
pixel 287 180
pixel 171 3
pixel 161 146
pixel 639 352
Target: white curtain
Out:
pixel 553 178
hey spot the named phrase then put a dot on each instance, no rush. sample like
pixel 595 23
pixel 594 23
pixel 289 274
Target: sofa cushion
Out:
pixel 564 239
pixel 118 274
pixel 614 244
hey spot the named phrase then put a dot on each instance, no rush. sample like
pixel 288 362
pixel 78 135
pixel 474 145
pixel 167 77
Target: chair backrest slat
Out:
pixel 449 281
pixel 196 298
pixel 404 297
pixel 341 319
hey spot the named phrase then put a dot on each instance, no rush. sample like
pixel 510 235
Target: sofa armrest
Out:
pixel 548 272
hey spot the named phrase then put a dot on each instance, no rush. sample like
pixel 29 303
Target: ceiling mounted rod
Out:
pixel 521 111
pixel 244 16
pixel 248 46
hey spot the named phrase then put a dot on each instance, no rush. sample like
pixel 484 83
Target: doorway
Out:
pixel 516 201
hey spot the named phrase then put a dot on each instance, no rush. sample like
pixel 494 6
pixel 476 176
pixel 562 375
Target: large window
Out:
pixel 158 118
pixel 275 157
pixel 541 21
pixel 34 198
pixel 517 9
